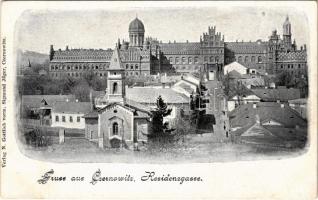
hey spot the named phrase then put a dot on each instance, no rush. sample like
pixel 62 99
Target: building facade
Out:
pixel 117 123
pixel 145 56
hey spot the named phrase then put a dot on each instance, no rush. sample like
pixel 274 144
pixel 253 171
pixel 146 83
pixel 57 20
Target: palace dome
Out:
pixel 136 26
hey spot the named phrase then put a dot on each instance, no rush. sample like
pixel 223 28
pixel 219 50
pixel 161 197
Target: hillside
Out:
pixel 35 58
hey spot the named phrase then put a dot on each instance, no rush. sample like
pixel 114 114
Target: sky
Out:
pixel 36 30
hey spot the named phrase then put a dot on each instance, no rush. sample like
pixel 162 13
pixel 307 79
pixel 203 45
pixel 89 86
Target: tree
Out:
pixel 81 91
pixel 226 84
pixel 283 79
pixel 159 113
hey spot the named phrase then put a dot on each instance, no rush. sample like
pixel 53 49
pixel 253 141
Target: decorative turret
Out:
pixel 287 35
pixel 115 79
pixel 51 52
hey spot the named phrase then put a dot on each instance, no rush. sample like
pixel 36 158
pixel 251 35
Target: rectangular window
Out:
pixel 71 119
pixel 78 119
pixel 56 118
pixel 63 118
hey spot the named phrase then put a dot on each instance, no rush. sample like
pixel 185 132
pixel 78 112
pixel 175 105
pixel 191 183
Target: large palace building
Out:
pixel 145 56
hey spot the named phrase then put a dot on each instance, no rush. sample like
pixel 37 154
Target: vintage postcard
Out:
pixel 159 100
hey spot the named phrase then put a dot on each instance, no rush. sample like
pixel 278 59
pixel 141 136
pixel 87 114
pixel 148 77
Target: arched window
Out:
pixel 196 60
pixel 171 60
pixel 115 128
pixel 136 66
pixel 127 66
pixel 205 59
pixel 177 60
pixel 253 59
pixel 190 60
pixel 211 59
pixel 239 59
pixel 132 67
pixel 183 60
pixel 259 59
pixel 216 59
pixel 115 87
pixel 246 59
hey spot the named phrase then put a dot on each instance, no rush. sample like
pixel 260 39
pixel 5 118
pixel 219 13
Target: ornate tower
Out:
pixel 51 52
pixel 136 33
pixel 115 79
pixel 287 35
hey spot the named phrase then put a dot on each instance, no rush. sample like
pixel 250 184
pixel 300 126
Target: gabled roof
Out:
pixel 71 107
pixel 282 94
pixel 234 66
pixel 36 101
pixel 150 95
pixel 138 110
pixel 245 115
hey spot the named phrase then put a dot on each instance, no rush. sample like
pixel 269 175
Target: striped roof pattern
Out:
pixel 292 56
pixel 247 47
pixel 180 48
pixel 83 55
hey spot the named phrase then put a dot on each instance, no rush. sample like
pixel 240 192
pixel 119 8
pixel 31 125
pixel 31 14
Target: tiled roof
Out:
pixel 36 101
pixel 150 95
pixel 245 115
pixel 180 48
pixel 282 94
pixel 92 114
pixel 292 56
pixel 80 55
pixel 246 47
pixel 133 104
pixel 72 107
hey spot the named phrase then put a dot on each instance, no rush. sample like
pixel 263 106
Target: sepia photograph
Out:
pixel 158 100
pixel 162 85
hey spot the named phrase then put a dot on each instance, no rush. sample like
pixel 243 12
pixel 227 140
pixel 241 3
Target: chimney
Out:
pixel 66 48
